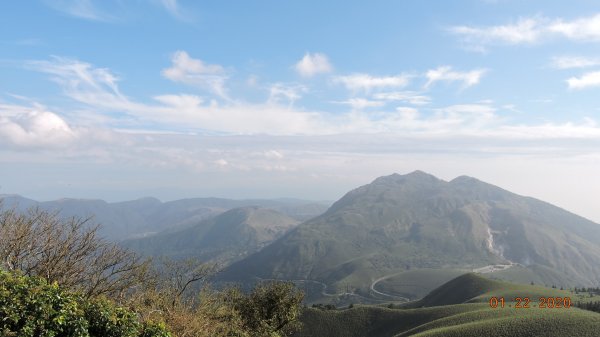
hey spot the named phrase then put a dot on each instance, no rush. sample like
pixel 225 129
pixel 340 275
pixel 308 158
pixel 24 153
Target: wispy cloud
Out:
pixel 313 64
pixel 83 9
pixel 98 89
pixel 171 6
pixel 288 92
pixel 83 82
pixel 187 70
pixel 446 74
pixel 361 103
pixel 587 80
pixel 174 8
pixel 569 62
pixel 529 30
pixel 410 97
pixel 525 30
pixel 366 82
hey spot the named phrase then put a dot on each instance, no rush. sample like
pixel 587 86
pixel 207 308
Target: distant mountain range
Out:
pixel 146 216
pixel 224 238
pixel 414 221
pixel 370 243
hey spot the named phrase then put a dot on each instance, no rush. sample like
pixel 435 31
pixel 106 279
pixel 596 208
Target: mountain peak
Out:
pixel 417 175
pixel 464 180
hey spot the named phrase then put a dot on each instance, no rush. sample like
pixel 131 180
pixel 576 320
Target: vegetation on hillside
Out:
pixel 458 308
pixel 58 278
pixel 227 237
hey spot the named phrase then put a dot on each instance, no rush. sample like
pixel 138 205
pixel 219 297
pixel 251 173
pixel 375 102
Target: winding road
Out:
pixel 394 297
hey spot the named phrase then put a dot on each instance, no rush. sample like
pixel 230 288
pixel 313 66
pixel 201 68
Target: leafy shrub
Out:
pixel 30 306
pixel 271 309
pixel 105 319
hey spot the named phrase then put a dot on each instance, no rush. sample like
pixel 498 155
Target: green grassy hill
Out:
pixel 460 307
pixel 415 284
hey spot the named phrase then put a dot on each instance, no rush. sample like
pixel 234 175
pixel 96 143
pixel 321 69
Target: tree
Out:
pixel 271 309
pixel 67 251
pixel 176 292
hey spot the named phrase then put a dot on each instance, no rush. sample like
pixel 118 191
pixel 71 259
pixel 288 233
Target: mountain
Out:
pixel 146 216
pixel 414 221
pixel 226 237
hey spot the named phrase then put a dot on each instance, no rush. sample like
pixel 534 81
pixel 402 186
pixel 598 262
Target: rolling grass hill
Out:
pixel 415 284
pixel 471 287
pixel 458 308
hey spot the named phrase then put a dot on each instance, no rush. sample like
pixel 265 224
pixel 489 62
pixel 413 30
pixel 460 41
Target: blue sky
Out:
pixel 123 99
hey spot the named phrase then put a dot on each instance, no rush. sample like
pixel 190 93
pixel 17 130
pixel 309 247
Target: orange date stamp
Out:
pixel 526 303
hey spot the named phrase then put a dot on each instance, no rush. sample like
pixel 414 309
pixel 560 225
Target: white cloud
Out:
pixel 34 127
pixel 529 31
pixel 195 72
pixel 461 112
pixel 313 64
pixel 408 113
pixel 591 79
pixel 411 97
pixel 586 29
pixel 366 82
pixel 445 73
pixel 569 62
pixel 526 30
pixel 98 89
pixel 288 92
pixel 362 103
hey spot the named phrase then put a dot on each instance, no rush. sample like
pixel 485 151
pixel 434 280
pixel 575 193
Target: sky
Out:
pixel 121 99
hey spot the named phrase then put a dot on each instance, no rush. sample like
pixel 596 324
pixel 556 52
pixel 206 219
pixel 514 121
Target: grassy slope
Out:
pixel 513 322
pixel 457 308
pixel 372 320
pixel 537 274
pixel 416 284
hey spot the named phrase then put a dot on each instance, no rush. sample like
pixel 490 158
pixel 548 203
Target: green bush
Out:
pixel 105 319
pixel 29 307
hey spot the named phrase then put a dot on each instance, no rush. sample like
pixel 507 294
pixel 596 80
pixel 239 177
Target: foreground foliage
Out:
pixel 58 278
pixel 68 251
pixel 30 306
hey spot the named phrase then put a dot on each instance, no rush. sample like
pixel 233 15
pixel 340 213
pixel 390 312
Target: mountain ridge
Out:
pixel 400 222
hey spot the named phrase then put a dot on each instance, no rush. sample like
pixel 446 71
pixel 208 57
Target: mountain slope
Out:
pixel 401 222
pixel 458 308
pixel 229 236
